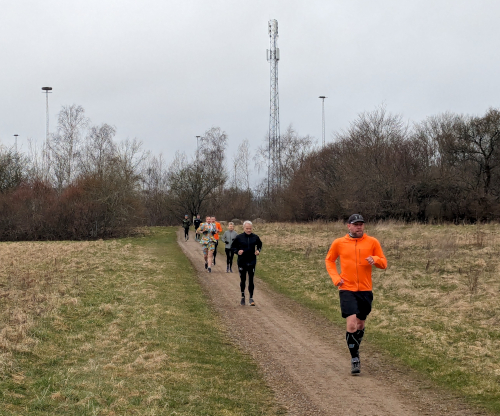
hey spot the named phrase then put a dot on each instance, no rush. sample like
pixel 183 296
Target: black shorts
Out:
pixel 356 303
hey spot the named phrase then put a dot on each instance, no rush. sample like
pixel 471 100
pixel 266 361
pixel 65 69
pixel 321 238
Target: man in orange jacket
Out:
pixel 358 252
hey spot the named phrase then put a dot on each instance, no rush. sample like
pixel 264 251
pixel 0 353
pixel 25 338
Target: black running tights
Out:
pixel 229 257
pixel 250 269
pixel 186 232
pixel 215 250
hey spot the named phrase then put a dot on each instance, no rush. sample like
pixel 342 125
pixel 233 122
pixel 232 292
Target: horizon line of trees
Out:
pixel 84 184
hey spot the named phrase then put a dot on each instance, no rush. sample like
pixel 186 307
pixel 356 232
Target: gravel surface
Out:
pixel 304 357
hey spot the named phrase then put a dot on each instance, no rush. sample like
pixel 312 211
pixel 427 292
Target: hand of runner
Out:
pixel 257 252
pixel 240 252
pixel 340 283
pixel 370 260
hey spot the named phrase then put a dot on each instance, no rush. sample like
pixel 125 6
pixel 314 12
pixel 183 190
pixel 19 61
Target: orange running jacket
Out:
pixel 355 269
pixel 219 230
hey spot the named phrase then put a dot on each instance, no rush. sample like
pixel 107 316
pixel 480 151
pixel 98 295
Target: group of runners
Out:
pixel 357 252
pixel 247 246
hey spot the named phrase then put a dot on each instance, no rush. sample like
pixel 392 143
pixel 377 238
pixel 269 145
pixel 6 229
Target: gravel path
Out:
pixel 304 357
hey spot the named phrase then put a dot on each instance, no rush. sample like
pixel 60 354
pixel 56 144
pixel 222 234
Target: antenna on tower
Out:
pixel 274 162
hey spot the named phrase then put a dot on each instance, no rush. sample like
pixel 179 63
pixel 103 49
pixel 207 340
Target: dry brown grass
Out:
pixel 35 280
pixel 115 327
pixel 440 291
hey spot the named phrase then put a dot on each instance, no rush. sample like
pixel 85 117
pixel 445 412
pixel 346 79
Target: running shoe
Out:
pixel 252 303
pixel 355 366
pixel 242 303
pixel 227 270
pixel 206 265
pixel 230 270
pixel 209 270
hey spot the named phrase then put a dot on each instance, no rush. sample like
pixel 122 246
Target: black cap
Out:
pixel 355 218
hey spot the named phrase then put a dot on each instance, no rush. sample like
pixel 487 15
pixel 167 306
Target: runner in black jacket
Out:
pixel 247 246
pixel 197 223
pixel 186 224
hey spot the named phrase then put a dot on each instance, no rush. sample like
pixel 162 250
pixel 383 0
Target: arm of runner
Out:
pixel 379 260
pixel 259 246
pixel 331 266
pixel 235 247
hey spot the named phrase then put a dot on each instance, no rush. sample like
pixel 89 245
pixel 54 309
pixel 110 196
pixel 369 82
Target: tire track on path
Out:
pixel 304 357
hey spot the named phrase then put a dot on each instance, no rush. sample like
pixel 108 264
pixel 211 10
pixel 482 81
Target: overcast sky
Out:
pixel 165 71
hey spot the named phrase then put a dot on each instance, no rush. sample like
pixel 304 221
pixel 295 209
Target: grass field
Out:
pixel 116 328
pixel 436 306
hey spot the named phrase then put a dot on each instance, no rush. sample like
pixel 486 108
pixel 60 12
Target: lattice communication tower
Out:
pixel 274 163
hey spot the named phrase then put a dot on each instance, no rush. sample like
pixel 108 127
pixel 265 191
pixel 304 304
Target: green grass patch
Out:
pixel 127 332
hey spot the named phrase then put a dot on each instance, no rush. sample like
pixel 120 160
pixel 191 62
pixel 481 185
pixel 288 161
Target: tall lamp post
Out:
pixel 47 91
pixel 323 118
pixel 15 141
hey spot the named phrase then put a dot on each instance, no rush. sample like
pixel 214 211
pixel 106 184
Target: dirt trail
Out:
pixel 305 359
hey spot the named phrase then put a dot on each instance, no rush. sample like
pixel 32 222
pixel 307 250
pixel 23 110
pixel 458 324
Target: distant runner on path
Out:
pixel 218 227
pixel 247 246
pixel 358 252
pixel 207 231
pixel 186 224
pixel 228 238
pixel 197 223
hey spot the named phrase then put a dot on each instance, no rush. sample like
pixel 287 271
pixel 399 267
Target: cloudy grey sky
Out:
pixel 165 71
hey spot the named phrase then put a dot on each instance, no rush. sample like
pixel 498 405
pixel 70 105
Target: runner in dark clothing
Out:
pixel 228 238
pixel 197 223
pixel 247 246
pixel 186 224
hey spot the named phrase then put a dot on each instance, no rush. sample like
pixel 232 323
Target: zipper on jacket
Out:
pixel 357 261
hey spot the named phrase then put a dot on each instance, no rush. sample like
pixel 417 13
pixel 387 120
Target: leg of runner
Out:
pixel 251 272
pixel 353 343
pixel 243 278
pixel 210 257
pixel 205 255
pixel 215 250
pixel 186 234
pixel 228 259
pixel 231 257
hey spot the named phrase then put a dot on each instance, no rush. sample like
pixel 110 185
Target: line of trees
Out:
pixel 444 168
pixel 84 184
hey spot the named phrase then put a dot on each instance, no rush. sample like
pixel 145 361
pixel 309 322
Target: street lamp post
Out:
pixel 47 91
pixel 323 118
pixel 15 142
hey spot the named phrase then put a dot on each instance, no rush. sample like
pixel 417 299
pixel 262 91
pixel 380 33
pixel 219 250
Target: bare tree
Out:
pixel 99 150
pixel 479 143
pixel 195 184
pixel 241 167
pixel 65 144
pixel 131 157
